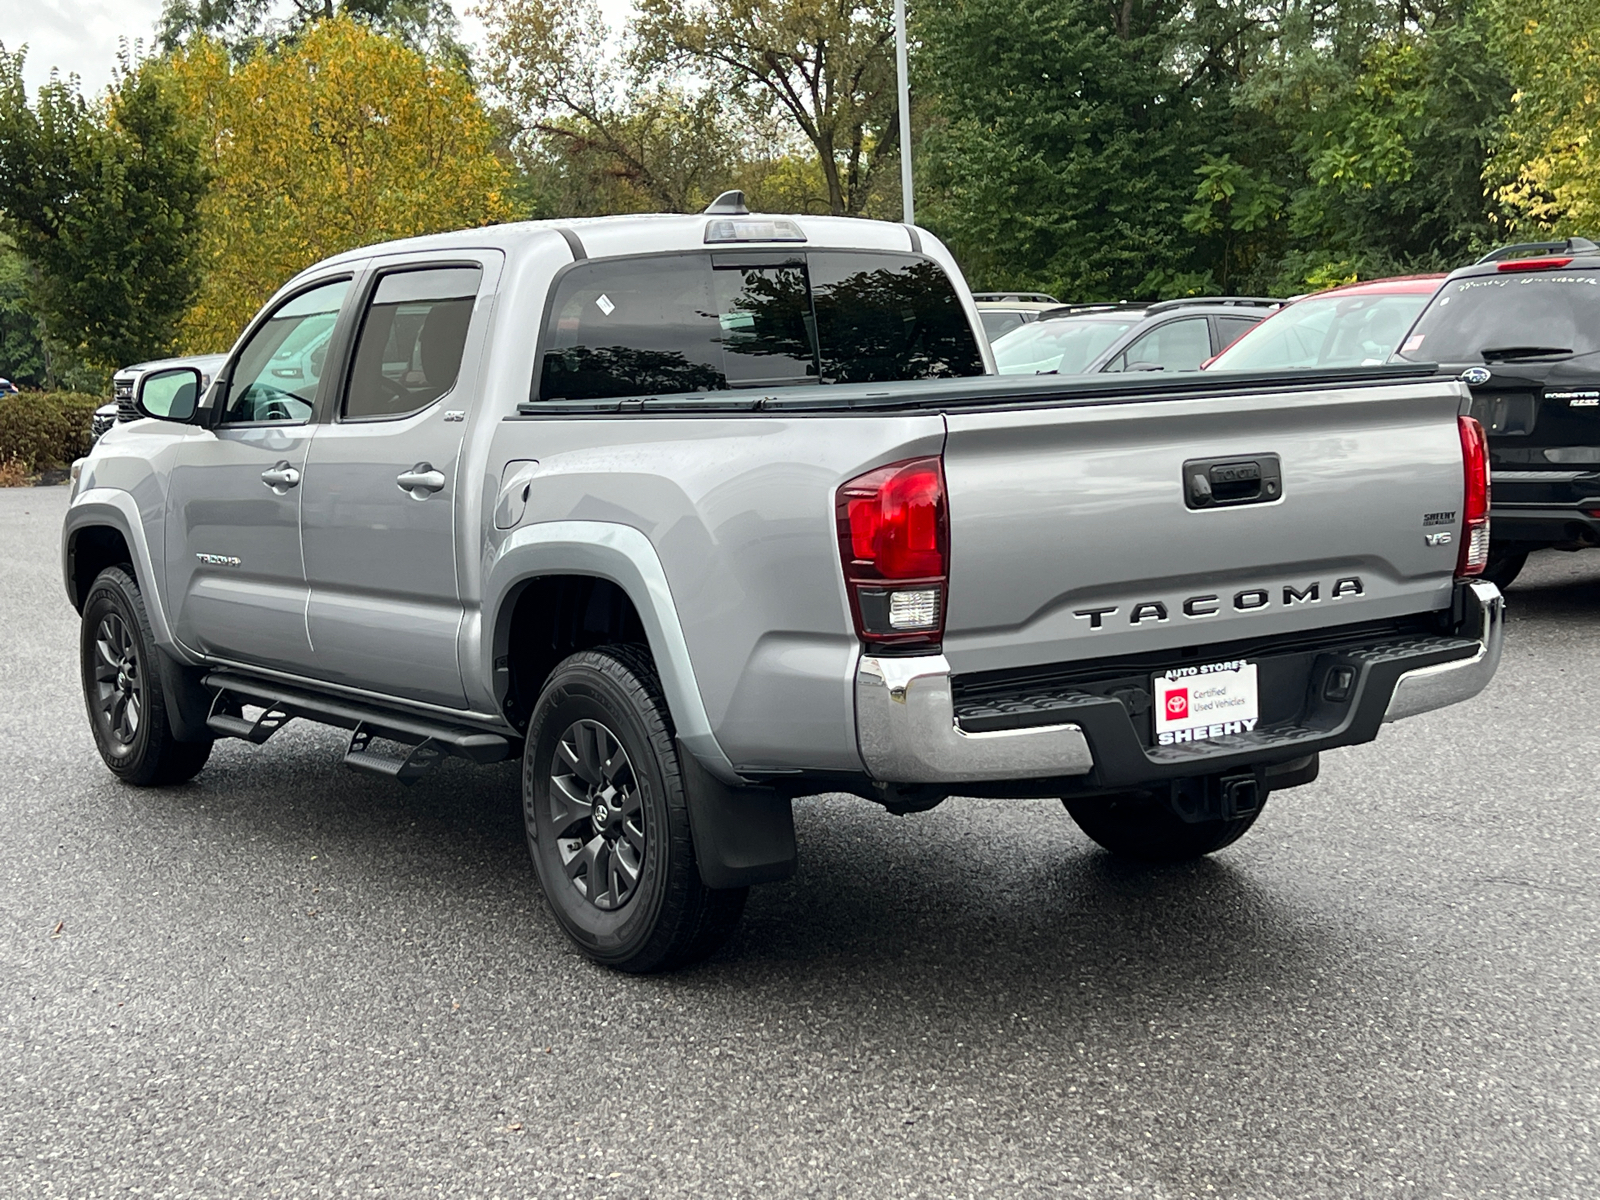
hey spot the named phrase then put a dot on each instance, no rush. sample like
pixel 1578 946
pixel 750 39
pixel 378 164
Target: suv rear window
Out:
pixel 1558 311
pixel 743 319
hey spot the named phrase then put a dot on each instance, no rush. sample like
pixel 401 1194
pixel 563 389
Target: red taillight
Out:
pixel 1474 553
pixel 894 540
pixel 1532 264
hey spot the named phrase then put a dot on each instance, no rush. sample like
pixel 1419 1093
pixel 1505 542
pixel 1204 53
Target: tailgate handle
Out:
pixel 1225 482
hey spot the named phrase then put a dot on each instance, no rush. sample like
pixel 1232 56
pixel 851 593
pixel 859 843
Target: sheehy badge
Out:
pixel 1195 704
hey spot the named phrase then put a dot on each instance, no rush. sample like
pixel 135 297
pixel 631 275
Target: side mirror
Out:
pixel 170 395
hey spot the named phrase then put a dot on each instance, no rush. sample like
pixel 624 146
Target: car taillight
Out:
pixel 894 541
pixel 1474 554
pixel 1532 264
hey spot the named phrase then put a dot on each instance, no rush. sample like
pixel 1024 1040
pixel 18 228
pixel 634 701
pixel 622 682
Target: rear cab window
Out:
pixel 1485 318
pixel 722 320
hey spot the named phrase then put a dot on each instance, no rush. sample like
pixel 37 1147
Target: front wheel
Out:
pixel 607 818
pixel 1145 827
pixel 122 688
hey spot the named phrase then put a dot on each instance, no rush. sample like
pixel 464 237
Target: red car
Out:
pixel 1356 325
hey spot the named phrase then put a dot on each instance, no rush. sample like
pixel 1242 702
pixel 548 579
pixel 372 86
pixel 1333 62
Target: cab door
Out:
pixel 233 562
pixel 379 500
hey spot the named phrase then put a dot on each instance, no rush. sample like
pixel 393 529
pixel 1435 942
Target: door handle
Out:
pixel 421 481
pixel 280 478
pixel 1222 482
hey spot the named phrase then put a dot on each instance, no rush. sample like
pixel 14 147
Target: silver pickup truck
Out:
pixel 699 514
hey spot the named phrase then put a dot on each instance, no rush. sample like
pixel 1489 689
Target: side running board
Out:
pixel 423 743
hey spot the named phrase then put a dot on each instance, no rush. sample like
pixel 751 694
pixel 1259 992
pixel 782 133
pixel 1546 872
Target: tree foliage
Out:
pixel 826 65
pixel 101 200
pixel 338 139
pixel 1550 167
pixel 1116 148
pixel 247 26
pixel 601 139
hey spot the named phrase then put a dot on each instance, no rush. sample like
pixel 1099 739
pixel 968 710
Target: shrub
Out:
pixel 45 429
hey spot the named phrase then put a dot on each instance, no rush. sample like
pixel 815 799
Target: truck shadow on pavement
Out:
pixel 1000 902
pixel 1556 584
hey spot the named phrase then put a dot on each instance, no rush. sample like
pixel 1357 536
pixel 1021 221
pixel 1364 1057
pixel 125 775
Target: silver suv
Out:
pixel 1172 335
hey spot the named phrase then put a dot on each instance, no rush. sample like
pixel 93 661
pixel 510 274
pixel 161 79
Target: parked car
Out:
pixel 1087 339
pixel 698 514
pixel 1351 326
pixel 1522 328
pixel 1001 312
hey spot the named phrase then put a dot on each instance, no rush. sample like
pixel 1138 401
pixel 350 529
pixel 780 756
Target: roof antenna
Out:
pixel 729 204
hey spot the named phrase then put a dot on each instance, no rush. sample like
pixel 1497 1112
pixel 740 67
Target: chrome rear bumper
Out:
pixel 907 730
pixel 1428 688
pixel 905 721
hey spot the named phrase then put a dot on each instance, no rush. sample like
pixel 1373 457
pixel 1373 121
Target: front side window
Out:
pixel 276 374
pixel 412 338
pixel 712 322
pixel 1175 346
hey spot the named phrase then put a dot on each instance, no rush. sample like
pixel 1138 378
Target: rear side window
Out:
pixel 1491 318
pixel 711 322
pixel 1231 329
pixel 413 334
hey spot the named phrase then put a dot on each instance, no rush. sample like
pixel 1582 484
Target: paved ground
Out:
pixel 287 979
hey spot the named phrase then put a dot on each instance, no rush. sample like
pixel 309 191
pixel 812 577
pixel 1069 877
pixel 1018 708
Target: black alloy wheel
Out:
pixel 607 818
pixel 597 814
pixel 122 688
pixel 119 693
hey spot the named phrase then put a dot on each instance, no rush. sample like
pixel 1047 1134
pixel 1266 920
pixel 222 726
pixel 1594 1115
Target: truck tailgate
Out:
pixel 1075 532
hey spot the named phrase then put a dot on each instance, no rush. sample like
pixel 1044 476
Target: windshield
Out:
pixel 1325 331
pixel 1066 345
pixel 1490 318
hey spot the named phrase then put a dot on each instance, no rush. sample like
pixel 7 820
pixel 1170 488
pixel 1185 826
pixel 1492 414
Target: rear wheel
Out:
pixel 607 818
pixel 122 688
pixel 1504 566
pixel 1145 827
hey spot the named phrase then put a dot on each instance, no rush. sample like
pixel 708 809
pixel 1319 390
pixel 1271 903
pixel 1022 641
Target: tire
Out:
pixel 1504 566
pixel 1144 827
pixel 621 876
pixel 122 688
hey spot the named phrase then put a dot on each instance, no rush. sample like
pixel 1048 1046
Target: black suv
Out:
pixel 1521 327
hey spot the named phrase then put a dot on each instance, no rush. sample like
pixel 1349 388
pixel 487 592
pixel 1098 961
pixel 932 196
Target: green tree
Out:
pixel 246 26
pixel 1063 151
pixel 596 137
pixel 101 201
pixel 22 354
pixel 826 65
pixel 1390 134
pixel 338 139
pixel 1548 173
pixel 1233 206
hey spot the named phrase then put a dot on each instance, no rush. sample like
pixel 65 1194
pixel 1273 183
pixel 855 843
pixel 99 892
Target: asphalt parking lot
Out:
pixel 286 979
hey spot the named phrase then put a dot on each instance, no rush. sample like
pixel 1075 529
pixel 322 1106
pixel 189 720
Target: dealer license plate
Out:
pixel 1196 704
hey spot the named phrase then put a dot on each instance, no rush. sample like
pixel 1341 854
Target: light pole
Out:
pixel 902 77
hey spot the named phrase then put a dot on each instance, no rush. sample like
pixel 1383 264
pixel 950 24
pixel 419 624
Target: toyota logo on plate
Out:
pixel 1177 704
